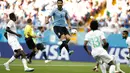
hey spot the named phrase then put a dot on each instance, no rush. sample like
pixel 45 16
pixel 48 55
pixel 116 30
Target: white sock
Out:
pixel 24 63
pixel 103 68
pixel 118 66
pixel 11 60
pixel 112 69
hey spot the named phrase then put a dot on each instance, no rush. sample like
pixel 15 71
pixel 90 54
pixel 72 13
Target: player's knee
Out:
pixel 68 37
pixel 23 55
pixel 62 37
pixel 17 53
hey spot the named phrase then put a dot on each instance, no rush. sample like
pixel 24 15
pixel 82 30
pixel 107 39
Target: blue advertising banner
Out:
pixel 79 53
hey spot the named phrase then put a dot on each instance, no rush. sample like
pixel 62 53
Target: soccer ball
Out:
pixel 73 31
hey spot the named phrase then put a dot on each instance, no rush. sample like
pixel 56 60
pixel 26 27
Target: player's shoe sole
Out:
pixel 47 61
pixel 29 70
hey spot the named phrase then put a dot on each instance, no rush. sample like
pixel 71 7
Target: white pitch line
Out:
pixel 46 65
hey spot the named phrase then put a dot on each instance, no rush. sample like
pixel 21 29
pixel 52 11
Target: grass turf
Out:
pixel 54 67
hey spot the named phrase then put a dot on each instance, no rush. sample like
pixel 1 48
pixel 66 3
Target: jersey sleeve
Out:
pixel 10 24
pixel 86 37
pixel 102 35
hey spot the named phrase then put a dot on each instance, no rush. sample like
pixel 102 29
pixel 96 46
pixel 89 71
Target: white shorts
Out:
pixel 103 57
pixel 14 43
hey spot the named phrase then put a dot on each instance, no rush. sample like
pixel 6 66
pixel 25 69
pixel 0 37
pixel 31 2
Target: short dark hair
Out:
pixel 125 31
pixel 29 20
pixel 11 15
pixel 94 25
pixel 59 0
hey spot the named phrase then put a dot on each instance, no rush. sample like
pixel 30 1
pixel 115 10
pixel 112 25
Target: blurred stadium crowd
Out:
pixel 79 10
pixel 116 16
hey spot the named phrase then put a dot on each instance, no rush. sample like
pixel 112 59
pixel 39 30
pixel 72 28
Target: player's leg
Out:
pixel 96 67
pixel 31 45
pixel 16 55
pixel 67 36
pixel 117 63
pixel 67 40
pixel 100 62
pixel 109 60
pixel 26 68
pixel 41 47
pixel 59 32
pixel 15 47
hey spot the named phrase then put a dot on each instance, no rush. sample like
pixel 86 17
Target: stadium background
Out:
pixel 113 17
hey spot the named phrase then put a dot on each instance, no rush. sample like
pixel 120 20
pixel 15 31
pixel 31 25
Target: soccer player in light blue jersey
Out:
pixel 61 17
pixel 39 43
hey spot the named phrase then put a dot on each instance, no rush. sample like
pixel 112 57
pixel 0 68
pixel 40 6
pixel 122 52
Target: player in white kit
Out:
pixel 125 36
pixel 96 39
pixel 11 34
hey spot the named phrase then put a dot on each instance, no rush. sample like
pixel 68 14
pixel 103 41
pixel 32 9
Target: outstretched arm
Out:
pixel 86 48
pixel 10 31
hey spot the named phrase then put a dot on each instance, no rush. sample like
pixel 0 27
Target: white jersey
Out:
pixel 128 42
pixel 94 39
pixel 12 26
pixel 12 38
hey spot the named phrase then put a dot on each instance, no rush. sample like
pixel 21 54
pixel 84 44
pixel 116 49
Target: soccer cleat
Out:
pixel 71 52
pixel 29 70
pixel 6 66
pixel 95 69
pixel 47 61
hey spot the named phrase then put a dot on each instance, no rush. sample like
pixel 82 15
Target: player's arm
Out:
pixel 49 16
pixel 86 47
pixel 68 19
pixel 10 31
pixel 106 44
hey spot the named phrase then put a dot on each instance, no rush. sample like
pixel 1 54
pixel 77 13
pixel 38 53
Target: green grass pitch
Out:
pixel 54 67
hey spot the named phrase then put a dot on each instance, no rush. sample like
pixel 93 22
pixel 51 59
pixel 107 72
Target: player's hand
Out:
pixel 19 35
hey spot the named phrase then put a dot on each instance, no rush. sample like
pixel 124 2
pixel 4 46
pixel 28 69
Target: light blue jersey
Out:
pixel 40 40
pixel 59 17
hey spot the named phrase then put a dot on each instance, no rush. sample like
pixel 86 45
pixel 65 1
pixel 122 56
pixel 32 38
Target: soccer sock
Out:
pixel 118 66
pixel 24 63
pixel 112 69
pixel 102 67
pixel 31 55
pixel 11 60
pixel 44 54
pixel 66 46
pixel 60 47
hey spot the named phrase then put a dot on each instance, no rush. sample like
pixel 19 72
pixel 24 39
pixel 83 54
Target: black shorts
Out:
pixel 30 43
pixel 60 31
pixel 40 46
